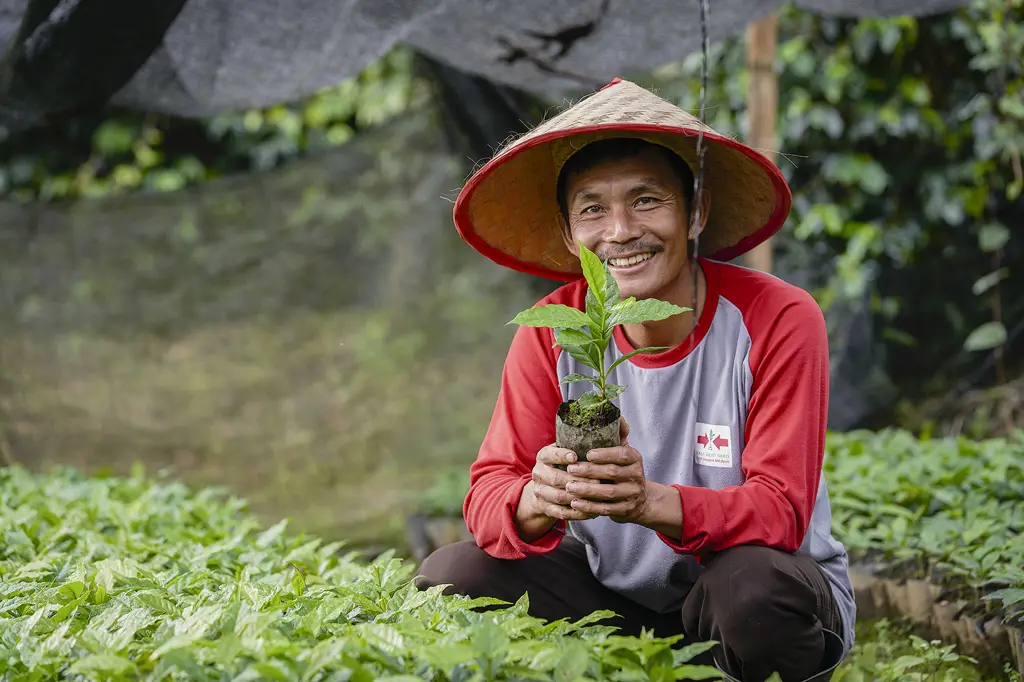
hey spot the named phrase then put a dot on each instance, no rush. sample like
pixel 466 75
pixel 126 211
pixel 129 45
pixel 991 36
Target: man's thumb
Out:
pixel 623 430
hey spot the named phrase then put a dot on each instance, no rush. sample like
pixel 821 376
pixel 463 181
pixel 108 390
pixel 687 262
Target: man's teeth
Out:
pixel 632 260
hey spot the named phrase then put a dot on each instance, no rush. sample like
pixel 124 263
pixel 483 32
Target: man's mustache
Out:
pixel 626 249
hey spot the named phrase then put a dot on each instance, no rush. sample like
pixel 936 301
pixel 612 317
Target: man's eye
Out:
pixel 643 200
pixel 587 209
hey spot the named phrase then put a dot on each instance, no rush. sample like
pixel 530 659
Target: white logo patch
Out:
pixel 714 446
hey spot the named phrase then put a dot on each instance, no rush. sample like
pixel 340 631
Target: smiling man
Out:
pixel 716 523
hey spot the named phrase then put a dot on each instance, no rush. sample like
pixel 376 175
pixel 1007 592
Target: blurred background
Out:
pixel 252 280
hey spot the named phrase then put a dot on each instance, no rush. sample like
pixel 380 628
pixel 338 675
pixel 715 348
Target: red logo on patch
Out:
pixel 714 439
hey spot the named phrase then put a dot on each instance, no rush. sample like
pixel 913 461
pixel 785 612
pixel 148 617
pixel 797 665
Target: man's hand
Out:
pixel 625 496
pixel 544 499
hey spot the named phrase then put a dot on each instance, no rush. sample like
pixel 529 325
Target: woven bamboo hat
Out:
pixel 508 210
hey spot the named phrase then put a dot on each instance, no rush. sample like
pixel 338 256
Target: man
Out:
pixel 717 520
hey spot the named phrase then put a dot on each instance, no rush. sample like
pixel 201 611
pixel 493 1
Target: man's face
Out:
pixel 632 213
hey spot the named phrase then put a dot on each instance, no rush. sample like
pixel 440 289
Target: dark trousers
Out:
pixel 768 609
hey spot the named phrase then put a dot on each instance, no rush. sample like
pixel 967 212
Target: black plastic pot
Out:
pixel 833 657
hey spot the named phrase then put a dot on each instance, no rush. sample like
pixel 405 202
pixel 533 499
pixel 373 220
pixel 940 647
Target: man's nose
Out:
pixel 623 228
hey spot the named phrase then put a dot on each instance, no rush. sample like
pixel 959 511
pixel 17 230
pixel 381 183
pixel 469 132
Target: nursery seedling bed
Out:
pixel 937 614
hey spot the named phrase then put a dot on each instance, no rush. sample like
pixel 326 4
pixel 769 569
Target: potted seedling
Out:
pixel 592 420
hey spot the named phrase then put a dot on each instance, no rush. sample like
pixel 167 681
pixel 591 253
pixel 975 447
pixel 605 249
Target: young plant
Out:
pixel 586 335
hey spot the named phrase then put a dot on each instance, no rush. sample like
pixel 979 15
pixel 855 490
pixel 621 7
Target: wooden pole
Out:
pixel 762 108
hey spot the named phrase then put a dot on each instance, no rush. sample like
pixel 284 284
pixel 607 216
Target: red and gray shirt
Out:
pixel 734 418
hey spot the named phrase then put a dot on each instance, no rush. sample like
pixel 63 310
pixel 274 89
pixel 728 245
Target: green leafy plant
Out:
pixel 950 510
pixel 116 153
pixel 446 496
pixel 586 335
pixel 122 579
pixel 889 651
pixel 906 174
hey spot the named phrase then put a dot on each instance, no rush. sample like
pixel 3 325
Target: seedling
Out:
pixel 592 420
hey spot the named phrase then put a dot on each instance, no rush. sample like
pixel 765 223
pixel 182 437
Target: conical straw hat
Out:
pixel 508 210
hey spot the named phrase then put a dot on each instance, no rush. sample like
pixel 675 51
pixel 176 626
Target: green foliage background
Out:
pixel 901 138
pixel 902 142
pixel 115 152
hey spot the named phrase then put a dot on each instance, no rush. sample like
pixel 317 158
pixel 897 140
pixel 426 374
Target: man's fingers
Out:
pixel 622 456
pixel 556 503
pixel 553 495
pixel 565 513
pixel 604 472
pixel 553 456
pixel 602 508
pixel 552 477
pixel 601 491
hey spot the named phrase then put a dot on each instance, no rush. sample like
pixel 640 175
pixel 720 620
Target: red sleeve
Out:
pixel 784 438
pixel 523 422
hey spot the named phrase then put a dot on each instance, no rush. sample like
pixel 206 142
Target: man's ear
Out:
pixel 704 204
pixel 563 228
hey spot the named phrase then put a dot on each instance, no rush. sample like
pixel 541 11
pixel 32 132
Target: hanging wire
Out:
pixel 698 180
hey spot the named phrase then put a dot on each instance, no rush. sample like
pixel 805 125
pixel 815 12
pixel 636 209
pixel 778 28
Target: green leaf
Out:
pixel 156 601
pixel 573 662
pixel 298 583
pixel 596 312
pixel 611 288
pixel 589 399
pixel 1008 596
pixel 553 315
pixel 72 590
pixel 449 656
pixel 489 639
pixel 691 651
pixel 699 672
pixel 272 534
pixel 594 617
pixel 478 602
pixel 594 272
pixel 103 666
pixel 572 337
pixel 584 355
pixel 1014 190
pixel 986 337
pixel 904 663
pixel 545 660
pixel 1012 105
pixel 576 376
pixel 985 283
pixel 646 310
pixel 992 237
pixel 638 351
pixel 273 670
pixel 613 391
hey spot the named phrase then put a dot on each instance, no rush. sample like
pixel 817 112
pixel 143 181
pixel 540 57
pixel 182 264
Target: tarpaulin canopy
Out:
pixel 200 57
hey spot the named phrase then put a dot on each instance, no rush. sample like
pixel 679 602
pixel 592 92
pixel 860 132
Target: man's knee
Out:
pixel 462 565
pixel 756 590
